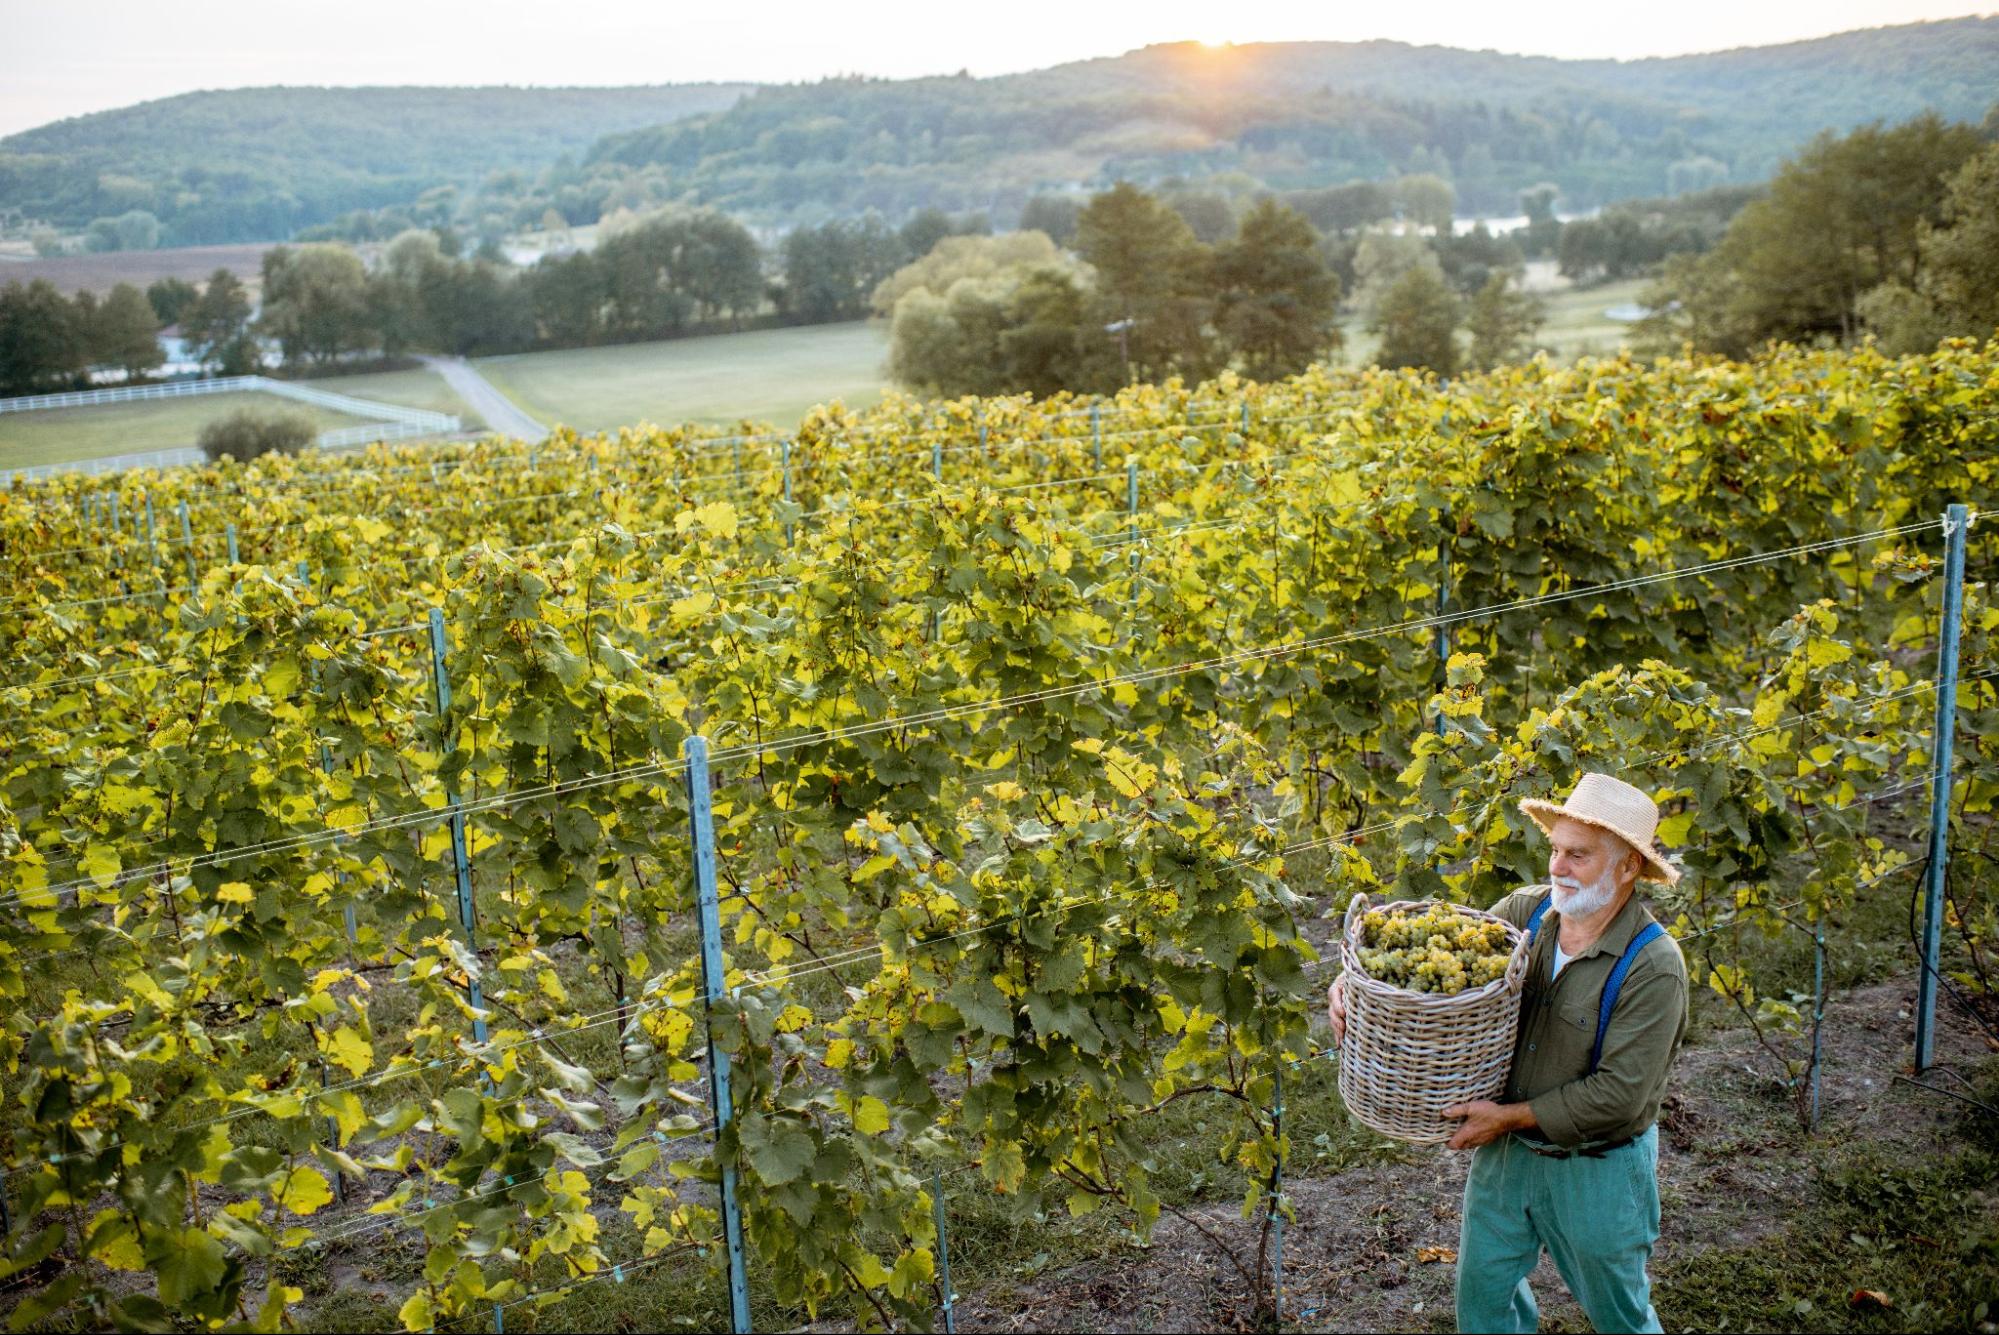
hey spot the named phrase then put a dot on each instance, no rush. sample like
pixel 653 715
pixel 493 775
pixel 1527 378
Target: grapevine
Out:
pixel 1007 772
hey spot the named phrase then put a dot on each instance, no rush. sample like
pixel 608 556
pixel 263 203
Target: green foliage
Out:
pixel 1844 217
pixel 315 302
pixel 1502 322
pixel 1417 319
pixel 171 298
pixel 1957 290
pixel 1275 302
pixel 125 332
pixel 44 339
pixel 1007 782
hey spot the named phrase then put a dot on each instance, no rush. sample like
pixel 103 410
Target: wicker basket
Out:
pixel 1410 1055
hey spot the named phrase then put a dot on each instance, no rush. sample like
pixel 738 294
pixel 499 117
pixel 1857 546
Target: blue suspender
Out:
pixel 1534 918
pixel 1650 932
pixel 1613 985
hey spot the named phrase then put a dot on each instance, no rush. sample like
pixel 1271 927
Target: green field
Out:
pixel 770 375
pixel 64 435
pixel 1576 325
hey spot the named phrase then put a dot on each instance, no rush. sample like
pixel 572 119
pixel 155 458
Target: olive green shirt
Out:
pixel 1558 1027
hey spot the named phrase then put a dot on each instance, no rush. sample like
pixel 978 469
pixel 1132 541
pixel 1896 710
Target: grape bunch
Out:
pixel 1437 950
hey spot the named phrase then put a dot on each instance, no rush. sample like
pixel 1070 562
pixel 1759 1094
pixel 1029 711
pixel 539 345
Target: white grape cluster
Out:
pixel 1437 950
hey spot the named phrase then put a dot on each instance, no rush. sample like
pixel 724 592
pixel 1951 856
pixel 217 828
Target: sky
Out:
pixel 66 59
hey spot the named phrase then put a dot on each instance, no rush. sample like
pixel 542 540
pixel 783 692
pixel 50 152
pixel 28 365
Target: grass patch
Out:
pixel 1919 1233
pixel 769 375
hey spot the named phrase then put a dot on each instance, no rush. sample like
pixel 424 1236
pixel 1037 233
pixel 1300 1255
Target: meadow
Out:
pixel 772 376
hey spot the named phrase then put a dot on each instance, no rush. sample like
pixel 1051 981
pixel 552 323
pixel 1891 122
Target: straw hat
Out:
pixel 1614 805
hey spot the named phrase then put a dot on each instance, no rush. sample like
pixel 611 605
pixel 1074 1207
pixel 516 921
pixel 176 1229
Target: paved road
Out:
pixel 496 408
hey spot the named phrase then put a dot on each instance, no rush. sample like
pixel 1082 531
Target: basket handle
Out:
pixel 1355 908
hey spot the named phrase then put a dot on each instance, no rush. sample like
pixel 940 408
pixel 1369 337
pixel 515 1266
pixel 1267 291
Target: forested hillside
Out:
pixel 257 164
pixel 265 164
pixel 1297 115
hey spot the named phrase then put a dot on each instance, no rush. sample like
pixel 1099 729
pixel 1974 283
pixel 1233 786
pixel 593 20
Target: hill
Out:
pixel 1296 115
pixel 257 164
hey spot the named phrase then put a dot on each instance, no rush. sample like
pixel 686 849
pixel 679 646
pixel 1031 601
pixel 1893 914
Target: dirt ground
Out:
pixel 1373 1246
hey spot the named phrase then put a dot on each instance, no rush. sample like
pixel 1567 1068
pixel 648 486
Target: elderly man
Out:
pixel 1569 1161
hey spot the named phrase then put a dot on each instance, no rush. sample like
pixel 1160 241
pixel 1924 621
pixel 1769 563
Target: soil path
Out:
pixel 498 411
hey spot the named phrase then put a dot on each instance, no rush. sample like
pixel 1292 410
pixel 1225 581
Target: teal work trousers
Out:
pixel 1597 1217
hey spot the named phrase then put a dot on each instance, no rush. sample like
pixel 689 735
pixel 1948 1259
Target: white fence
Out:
pixel 110 463
pixel 234 384
pixel 392 421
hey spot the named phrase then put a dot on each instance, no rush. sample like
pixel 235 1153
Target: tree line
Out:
pixel 673 273
pixel 1889 231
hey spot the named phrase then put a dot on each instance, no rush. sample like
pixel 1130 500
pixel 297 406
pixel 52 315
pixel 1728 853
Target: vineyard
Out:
pixel 680 850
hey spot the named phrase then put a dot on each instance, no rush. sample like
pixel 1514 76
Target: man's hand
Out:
pixel 1486 1121
pixel 1336 1009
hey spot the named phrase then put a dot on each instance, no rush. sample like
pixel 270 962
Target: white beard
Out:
pixel 1572 899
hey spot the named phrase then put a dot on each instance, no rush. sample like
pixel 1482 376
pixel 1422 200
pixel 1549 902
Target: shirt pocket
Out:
pixel 1572 1030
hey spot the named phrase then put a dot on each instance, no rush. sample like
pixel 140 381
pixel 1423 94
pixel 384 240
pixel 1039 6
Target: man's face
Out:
pixel 1588 867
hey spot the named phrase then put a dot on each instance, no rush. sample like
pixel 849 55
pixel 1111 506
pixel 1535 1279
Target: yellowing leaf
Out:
pixel 303 1191
pixel 685 611
pixel 234 892
pixel 717 518
pixel 416 1311
pixel 1006 790
pixel 346 1049
pixel 870 1116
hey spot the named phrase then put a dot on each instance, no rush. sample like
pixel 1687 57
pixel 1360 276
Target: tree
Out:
pixel 1208 215
pixel 1427 200
pixel 1416 318
pixel 958 257
pixel 216 325
pixel 125 333
pixel 1340 209
pixel 1544 230
pixel 1028 328
pixel 1051 343
pixel 1053 215
pixel 924 230
pixel 1278 302
pixel 1961 257
pixel 1502 322
pixel 830 271
pixel 248 433
pixel 567 296
pixel 170 298
pixel 1842 218
pixel 1382 258
pixel 135 229
pixel 316 302
pixel 42 340
pixel 1152 273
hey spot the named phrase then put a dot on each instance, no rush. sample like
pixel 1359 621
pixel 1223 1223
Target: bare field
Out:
pixel 101 273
